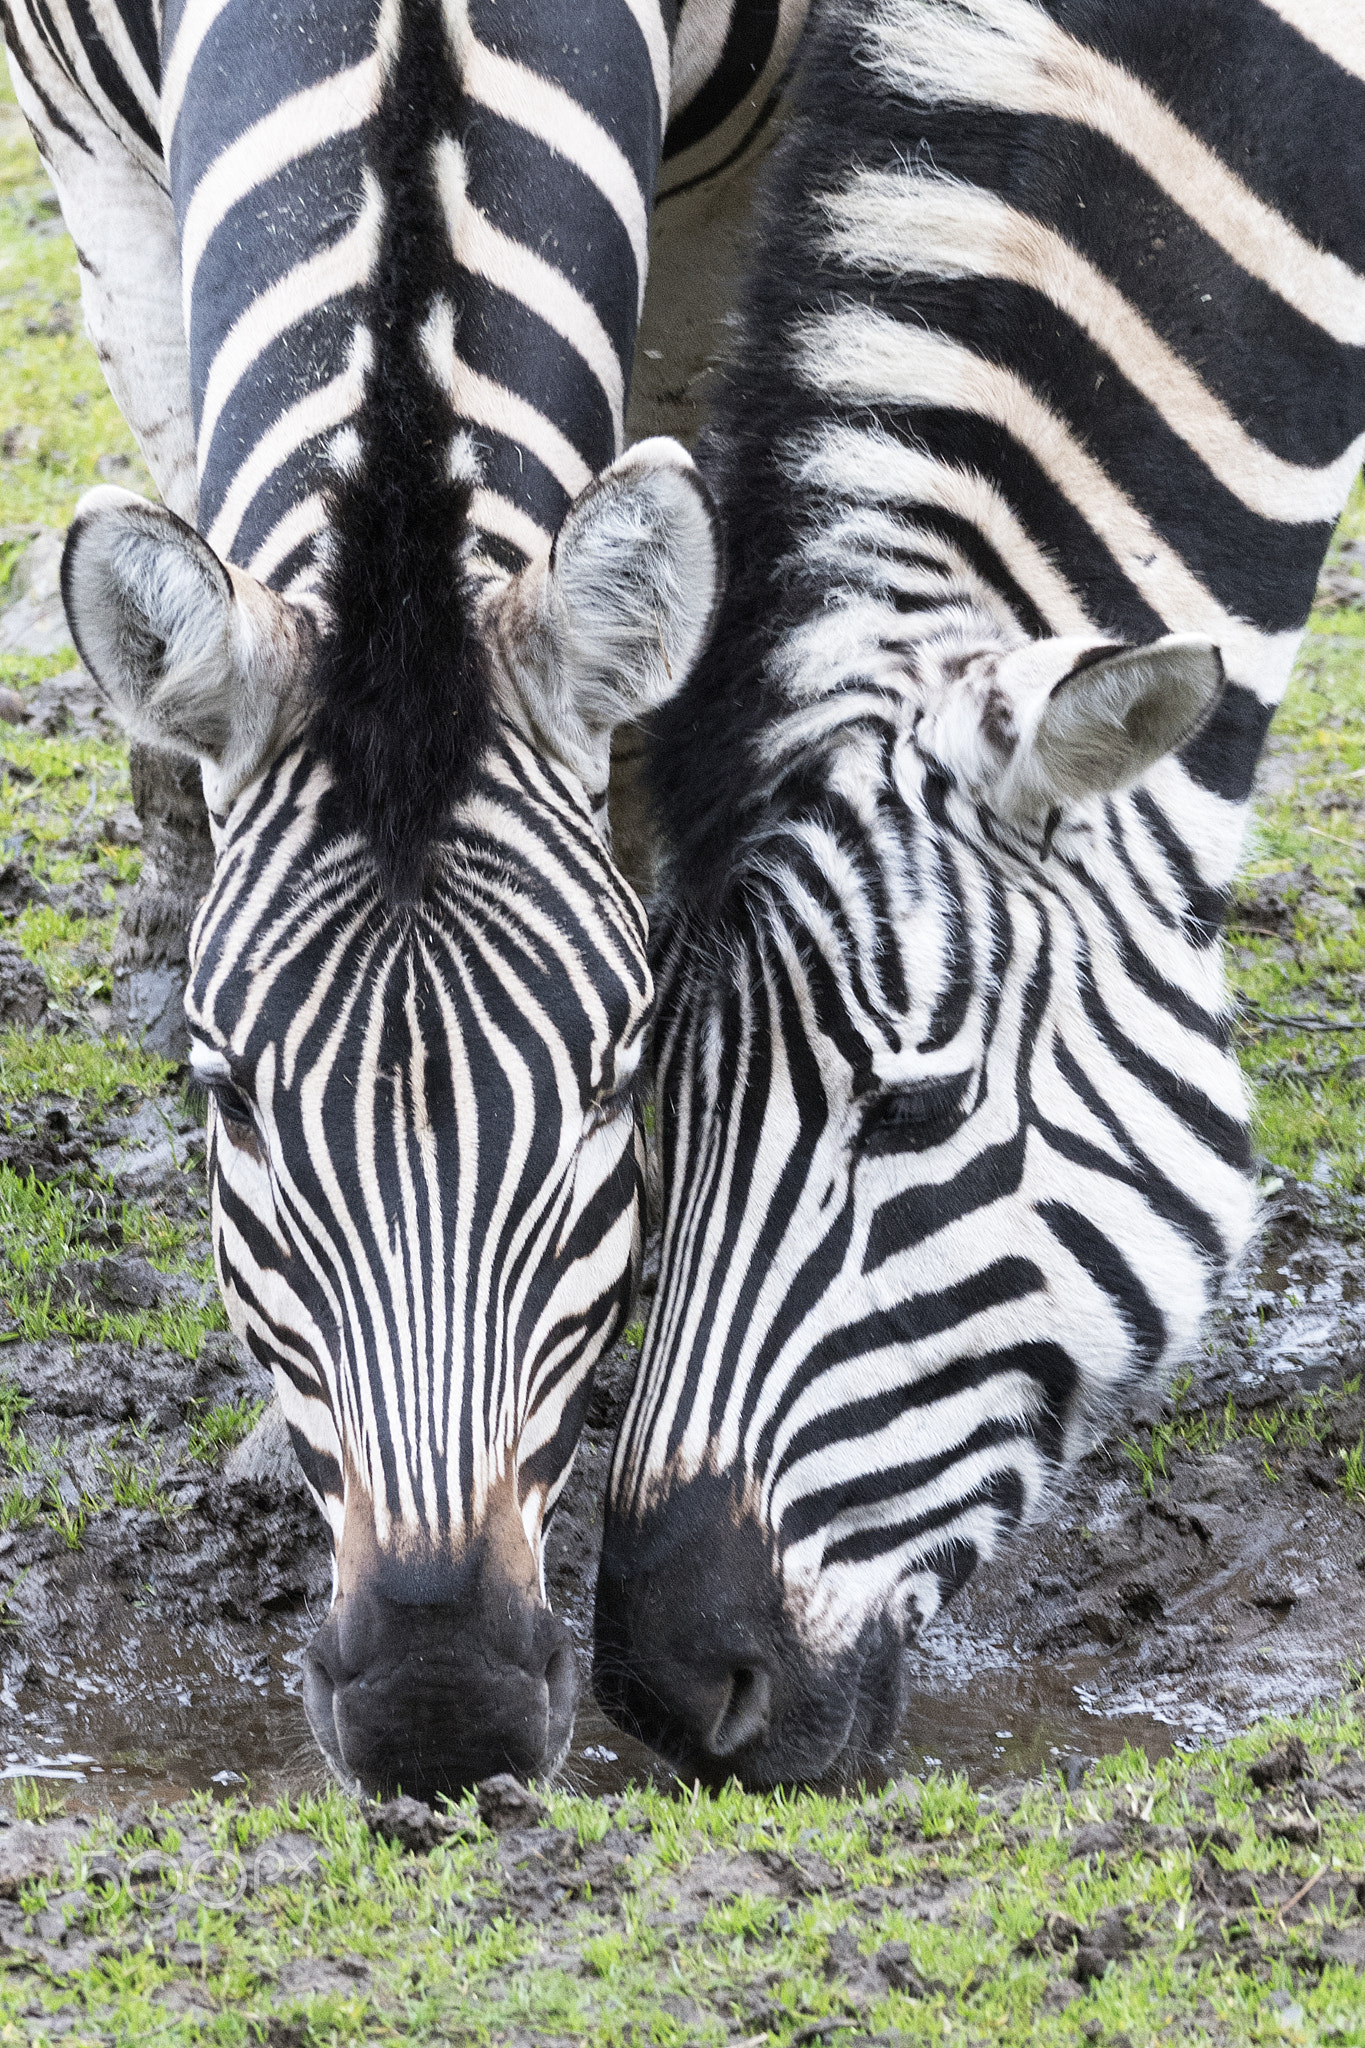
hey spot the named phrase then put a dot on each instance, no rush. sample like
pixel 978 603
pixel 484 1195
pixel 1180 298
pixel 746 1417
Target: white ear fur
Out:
pixel 1107 719
pixel 610 627
pixel 1057 720
pixel 195 655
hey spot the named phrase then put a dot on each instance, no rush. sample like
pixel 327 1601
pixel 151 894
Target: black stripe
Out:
pixel 1104 1262
pixel 748 46
pixel 594 50
pixel 535 195
pixel 510 342
pixel 1229 56
pixel 18 58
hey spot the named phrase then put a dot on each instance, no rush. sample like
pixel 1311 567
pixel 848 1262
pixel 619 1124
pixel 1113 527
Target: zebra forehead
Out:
pixel 522 912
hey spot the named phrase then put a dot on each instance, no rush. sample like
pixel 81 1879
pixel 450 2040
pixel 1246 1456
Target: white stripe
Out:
pixel 128 63
pixel 1008 54
pixel 342 266
pixel 713 149
pixel 872 468
pixel 920 222
pixel 1336 27
pixel 547 112
pixel 299 524
pixel 873 350
pixel 650 22
pixel 303 122
pixel 70 68
pixel 523 275
pixel 489 404
pixel 194 24
pixel 698 45
pixel 490 512
pixel 317 412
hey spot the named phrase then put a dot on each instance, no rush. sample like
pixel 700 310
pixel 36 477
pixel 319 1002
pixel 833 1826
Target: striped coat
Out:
pixel 365 279
pixel 1049 387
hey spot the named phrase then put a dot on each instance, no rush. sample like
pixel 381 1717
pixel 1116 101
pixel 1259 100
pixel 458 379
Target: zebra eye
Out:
pixel 609 1110
pixel 233 1106
pixel 915 1117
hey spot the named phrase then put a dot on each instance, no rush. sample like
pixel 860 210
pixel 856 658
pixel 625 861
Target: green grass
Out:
pixel 133 1477
pixel 1310 1110
pixel 58 797
pixel 33 1487
pixel 41 1228
pixel 1304 1423
pixel 220 1430
pixel 97 1071
pixel 1352 1481
pixel 444 1955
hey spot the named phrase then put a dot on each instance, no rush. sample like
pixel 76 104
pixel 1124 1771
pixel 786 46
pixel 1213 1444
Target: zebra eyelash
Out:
pixel 915 1116
pixel 211 1072
pixel 233 1104
pixel 609 1109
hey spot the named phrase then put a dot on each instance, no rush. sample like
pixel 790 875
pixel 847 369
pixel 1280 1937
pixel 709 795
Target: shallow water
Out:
pixel 164 1716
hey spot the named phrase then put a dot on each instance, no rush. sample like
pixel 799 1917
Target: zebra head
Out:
pixel 954 1150
pixel 419 1051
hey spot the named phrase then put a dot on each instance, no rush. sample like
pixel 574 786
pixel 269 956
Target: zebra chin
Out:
pixel 431 1674
pixel 696 1655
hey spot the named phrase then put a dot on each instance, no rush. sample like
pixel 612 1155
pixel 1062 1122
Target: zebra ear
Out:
pixel 625 605
pixel 194 655
pixel 1105 719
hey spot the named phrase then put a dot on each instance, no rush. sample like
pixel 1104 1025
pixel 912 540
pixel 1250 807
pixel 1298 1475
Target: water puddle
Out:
pixel 172 1716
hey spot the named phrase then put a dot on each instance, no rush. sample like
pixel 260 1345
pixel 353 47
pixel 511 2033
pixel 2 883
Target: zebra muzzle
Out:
pixel 428 1677
pixel 697 1655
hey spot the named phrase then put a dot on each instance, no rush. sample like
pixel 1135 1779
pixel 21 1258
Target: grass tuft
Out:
pixel 221 1429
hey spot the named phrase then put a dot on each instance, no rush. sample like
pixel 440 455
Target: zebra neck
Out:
pixel 1070 297
pixel 880 586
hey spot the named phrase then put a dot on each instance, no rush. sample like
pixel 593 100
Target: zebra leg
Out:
pixel 118 212
pixel 151 951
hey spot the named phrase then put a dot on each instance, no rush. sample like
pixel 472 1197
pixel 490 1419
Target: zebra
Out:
pixel 1048 389
pixel 365 280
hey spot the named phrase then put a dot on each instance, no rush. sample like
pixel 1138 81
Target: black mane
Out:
pixel 404 710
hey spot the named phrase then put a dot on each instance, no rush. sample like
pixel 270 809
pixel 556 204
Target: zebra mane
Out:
pixel 404 703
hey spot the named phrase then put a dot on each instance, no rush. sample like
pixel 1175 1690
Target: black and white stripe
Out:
pixel 1055 340
pixel 366 280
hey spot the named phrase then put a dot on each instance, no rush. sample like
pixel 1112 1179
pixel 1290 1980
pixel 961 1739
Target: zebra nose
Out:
pixel 430 1698
pixel 690 1633
pixel 746 1710
pixel 696 1654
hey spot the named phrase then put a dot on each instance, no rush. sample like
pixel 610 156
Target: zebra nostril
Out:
pixel 561 1684
pixel 744 1717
